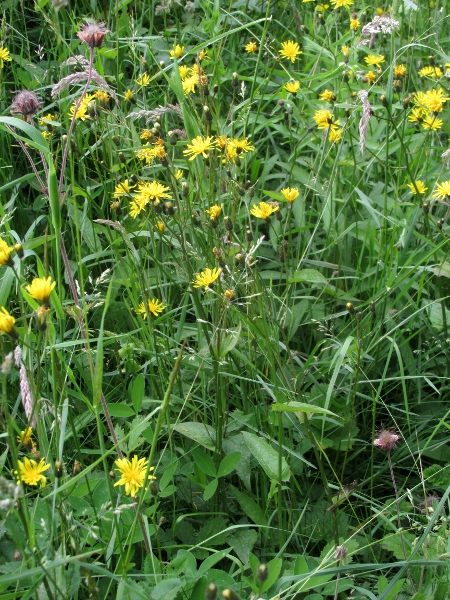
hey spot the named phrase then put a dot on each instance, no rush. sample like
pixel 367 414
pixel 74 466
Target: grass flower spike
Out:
pixel 31 473
pixel 290 50
pixel 132 474
pixel 206 278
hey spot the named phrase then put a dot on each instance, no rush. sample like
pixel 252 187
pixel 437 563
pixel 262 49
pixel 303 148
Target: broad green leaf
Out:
pixel 118 409
pixel 249 506
pixel 137 392
pixel 302 407
pixel 230 340
pixel 308 276
pixel 204 462
pixel 228 464
pixel 242 543
pixel 266 456
pixel 209 562
pixel 273 568
pixel 210 489
pixel 204 435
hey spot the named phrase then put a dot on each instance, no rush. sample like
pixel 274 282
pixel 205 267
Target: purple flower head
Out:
pixel 386 440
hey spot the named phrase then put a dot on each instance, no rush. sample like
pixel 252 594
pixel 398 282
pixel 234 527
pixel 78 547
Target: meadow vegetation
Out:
pixel 224 299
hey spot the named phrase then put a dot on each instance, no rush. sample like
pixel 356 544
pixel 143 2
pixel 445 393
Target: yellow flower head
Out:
pixel 290 194
pixel 128 96
pixel 30 472
pixel 199 145
pixel 373 60
pixel 432 122
pixel 189 84
pixel 370 76
pixel 41 288
pixel 154 306
pixel 324 119
pixel 44 120
pixel 147 154
pixel 102 96
pixel 292 87
pixel 432 101
pixel 183 71
pixel 143 80
pixel 340 3
pixel 251 47
pixel 290 50
pixel 335 135
pixel 433 72
pixel 327 95
pixel 160 227
pixel 122 189
pixel 443 190
pixel 6 321
pixel 241 145
pixel 400 70
pixel 132 474
pixel 4 56
pixel 417 187
pixel 355 24
pixel 5 253
pixel 202 55
pixel 146 135
pixel 178 174
pixel 264 210
pixel 206 278
pixel 177 52
pixel 153 191
pixel 25 437
pixel 214 211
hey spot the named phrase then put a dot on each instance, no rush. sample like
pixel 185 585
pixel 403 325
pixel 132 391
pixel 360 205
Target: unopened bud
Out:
pixel 248 235
pixel 228 223
pixel 58 468
pixel 122 158
pixel 211 591
pixel 351 309
pixel 262 573
pixel 162 64
pixel 76 468
pixel 228 594
pixel 207 114
pixel 235 80
pixel 185 188
pixel 384 101
pixel 19 249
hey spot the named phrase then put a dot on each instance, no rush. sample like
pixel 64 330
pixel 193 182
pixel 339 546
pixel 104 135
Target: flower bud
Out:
pixel 93 34
pixel 19 249
pixel 262 573
pixel 228 223
pixel 235 80
pixel 122 158
pixel 76 468
pixel 351 309
pixel 228 594
pixel 211 591
pixel 185 188
pixel 58 469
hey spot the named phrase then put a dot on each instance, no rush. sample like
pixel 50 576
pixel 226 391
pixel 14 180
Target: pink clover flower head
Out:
pixel 92 34
pixel 386 440
pixel 25 103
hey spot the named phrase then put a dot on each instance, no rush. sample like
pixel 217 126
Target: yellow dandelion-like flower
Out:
pixel 137 205
pixel 177 52
pixel 46 135
pixel 370 76
pixel 327 95
pixel 433 72
pixel 241 145
pixel 5 253
pixel 432 122
pixel 341 3
pixel 206 278
pixel 322 7
pixel 189 84
pixel 154 306
pixel 143 80
pixel 183 71
pixel 4 56
pixel 417 187
pixel 229 295
pixel 290 50
pixel 147 154
pixel 30 472
pixel 374 60
pixel 102 96
pixel 41 288
pixel 146 135
pixel 345 50
pixel 199 145
pixel 128 96
pixel 214 211
pixel 25 437
pixel 123 188
pixel 153 191
pixel 335 135
pixel 443 190
pixel 292 87
pixel 132 474
pixel 433 100
pixel 202 55
pixel 324 119
pixel 290 194
pixel 417 115
pixel 355 24
pixel 178 174
pixel 400 70
pixel 264 210
pixel 6 322
pixel 46 119
pixel 251 47
pixel 160 227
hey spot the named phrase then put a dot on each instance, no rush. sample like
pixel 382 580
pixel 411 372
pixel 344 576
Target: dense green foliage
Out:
pixel 238 384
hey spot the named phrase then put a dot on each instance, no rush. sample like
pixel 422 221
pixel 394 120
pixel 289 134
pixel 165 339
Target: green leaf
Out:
pixel 212 560
pixel 204 462
pixel 242 543
pixel 118 409
pixel 210 489
pixel 198 432
pixel 137 392
pixel 302 407
pixel 266 456
pixel 308 276
pixel 249 506
pixel 273 568
pixel 228 464
pixel 230 341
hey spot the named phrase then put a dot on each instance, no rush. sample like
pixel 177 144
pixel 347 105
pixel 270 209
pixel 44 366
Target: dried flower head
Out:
pixel 26 103
pixel 386 440
pixel 92 34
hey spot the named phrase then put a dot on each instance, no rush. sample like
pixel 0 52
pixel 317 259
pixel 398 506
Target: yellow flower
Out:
pixel 340 3
pixel 152 191
pixel 355 24
pixel 327 95
pixel 143 80
pixel 443 190
pixel 264 210
pixel 324 119
pixel 292 87
pixel 178 174
pixel 417 115
pixel 154 306
pixel 128 95
pixel 206 278
pixel 137 205
pixel 432 122
pixel 202 55
pixel 229 295
pixel 251 47
pixel 30 472
pixel 4 56
pixel 133 473
pixel 183 71
pixel 5 252
pixel 147 154
pixel 102 96
pixel 241 145
pixel 160 227
pixel 290 194
pixel 433 100
pixel 290 50
pixel 214 211
pixel 322 7
pixel 25 436
pixel 417 187
pixel 373 60
pixel 199 145
pixel 433 72
pixel 41 288
pixel 399 70
pixel 6 322
pixel 146 134
pixel 44 120
pixel 46 135
pixel 122 189
pixel 83 108
pixel 370 76
pixel 335 135
pixel 189 84
pixel 177 51
pixel 345 50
